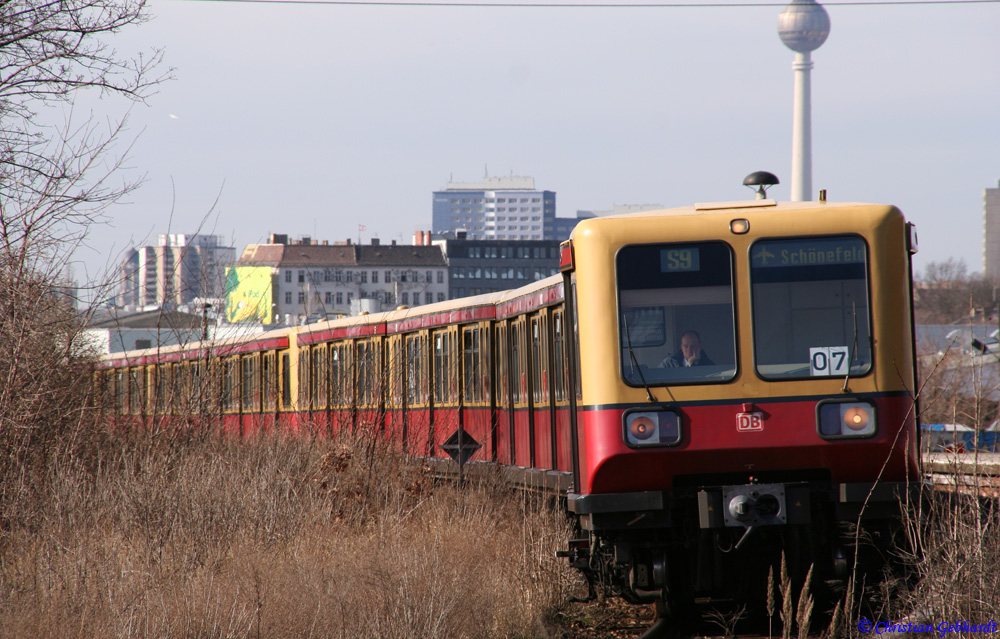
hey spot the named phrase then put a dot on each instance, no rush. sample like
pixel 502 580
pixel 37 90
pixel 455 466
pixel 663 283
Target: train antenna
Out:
pixel 763 180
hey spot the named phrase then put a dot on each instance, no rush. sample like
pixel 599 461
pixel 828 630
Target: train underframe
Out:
pixel 716 543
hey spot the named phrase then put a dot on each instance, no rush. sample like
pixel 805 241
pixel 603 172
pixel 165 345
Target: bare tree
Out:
pixel 946 293
pixel 58 173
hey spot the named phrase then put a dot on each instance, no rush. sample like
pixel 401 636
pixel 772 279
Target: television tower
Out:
pixel 803 26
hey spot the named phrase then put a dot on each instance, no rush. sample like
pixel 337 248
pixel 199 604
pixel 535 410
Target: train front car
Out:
pixel 745 389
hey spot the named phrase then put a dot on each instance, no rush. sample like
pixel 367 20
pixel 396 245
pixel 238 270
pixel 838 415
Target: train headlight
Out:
pixel 846 419
pixel 645 428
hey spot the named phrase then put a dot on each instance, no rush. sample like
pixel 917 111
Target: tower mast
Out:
pixel 803 26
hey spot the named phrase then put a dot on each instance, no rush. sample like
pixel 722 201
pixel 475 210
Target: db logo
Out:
pixel 746 422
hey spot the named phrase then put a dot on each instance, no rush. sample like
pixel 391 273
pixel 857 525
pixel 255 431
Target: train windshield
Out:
pixel 810 307
pixel 675 313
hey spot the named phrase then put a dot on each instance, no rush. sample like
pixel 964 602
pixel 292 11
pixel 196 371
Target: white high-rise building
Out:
pixel 176 270
pixel 498 208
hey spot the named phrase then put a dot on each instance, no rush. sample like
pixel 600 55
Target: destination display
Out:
pixel 812 252
pixel 679 260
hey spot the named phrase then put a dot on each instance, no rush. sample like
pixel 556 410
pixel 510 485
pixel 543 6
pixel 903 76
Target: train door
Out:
pixel 503 432
pixel 200 391
pixel 417 411
pixel 541 425
pixel 395 425
pixel 341 387
pixel 230 394
pixel 269 389
pixel 250 401
pixel 444 390
pixel 475 400
pixel 524 454
pixel 368 354
pixel 287 409
pixel 304 412
pixel 560 393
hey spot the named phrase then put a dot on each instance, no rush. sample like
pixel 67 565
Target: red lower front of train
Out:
pixel 716 440
pixel 739 487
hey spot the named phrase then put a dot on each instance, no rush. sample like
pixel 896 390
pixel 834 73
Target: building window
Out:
pixel 288 276
pixel 388 277
pixel 288 296
pixel 350 276
pixel 349 296
pixel 430 277
pixel 302 297
pixel 440 277
pixel 440 297
pixel 302 276
pixel 374 277
pixel 340 298
pixel 363 276
pixel 328 298
pixel 406 297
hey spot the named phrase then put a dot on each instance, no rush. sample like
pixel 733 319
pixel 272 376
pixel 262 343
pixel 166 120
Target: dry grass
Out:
pixel 959 568
pixel 274 538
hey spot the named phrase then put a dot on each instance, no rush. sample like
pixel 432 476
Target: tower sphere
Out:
pixel 803 26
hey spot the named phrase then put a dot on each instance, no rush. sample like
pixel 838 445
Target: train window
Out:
pixel 305 379
pixel 503 396
pixel 517 382
pixel 268 394
pixel 368 367
pixel 158 389
pixel 442 367
pixel 341 375
pixel 675 316
pixel 250 384
pixel 286 381
pixel 320 376
pixel 200 388
pixel 336 376
pixel 246 379
pixel 810 307
pixel 472 349
pixel 396 373
pixel 416 376
pixel 539 364
pixel 559 357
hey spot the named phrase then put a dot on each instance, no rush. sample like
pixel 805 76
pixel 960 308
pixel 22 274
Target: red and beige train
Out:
pixel 686 481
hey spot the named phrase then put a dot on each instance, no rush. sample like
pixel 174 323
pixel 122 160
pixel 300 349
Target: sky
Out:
pixel 321 119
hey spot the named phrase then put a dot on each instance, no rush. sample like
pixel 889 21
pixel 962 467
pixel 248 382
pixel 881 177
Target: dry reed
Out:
pixel 277 537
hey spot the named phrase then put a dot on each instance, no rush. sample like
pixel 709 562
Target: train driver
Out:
pixel 690 354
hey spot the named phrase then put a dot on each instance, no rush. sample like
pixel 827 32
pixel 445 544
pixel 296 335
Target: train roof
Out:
pixel 229 345
pixel 702 208
pixel 780 217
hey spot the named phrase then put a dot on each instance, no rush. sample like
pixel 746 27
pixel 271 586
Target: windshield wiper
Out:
pixel 636 368
pixel 854 346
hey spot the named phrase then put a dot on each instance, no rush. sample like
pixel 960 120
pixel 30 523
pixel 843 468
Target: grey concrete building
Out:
pixel 991 233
